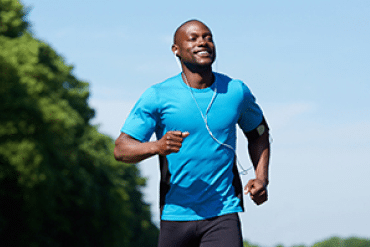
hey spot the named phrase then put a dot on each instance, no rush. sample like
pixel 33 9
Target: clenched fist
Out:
pixel 257 190
pixel 171 142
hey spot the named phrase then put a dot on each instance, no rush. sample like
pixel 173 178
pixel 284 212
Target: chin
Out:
pixel 196 65
pixel 205 63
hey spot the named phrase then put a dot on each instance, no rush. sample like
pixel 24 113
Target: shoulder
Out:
pixel 232 85
pixel 229 80
pixel 222 77
pixel 162 87
pixel 169 83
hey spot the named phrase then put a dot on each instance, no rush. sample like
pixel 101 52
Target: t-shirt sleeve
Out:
pixel 143 118
pixel 251 114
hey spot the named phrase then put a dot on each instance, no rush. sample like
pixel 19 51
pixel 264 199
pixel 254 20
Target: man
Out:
pixel 194 117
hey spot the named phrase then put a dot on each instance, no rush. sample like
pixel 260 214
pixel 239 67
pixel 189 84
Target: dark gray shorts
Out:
pixel 219 231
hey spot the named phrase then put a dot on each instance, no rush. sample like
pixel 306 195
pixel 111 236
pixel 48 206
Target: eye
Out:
pixel 209 38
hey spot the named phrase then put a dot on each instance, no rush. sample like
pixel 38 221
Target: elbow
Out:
pixel 119 150
pixel 117 155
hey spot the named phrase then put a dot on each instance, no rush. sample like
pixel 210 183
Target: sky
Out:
pixel 306 62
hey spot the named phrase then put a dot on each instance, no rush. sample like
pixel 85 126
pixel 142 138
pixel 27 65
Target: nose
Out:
pixel 202 41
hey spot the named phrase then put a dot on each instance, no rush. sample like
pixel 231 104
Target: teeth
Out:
pixel 203 52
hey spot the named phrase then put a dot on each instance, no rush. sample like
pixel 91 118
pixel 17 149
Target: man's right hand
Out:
pixel 171 142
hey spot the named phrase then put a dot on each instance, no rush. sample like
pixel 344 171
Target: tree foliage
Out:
pixel 11 18
pixel 247 244
pixel 59 182
pixel 339 242
pixel 331 242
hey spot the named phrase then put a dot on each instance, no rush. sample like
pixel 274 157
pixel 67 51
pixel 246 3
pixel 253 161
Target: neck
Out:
pixel 199 79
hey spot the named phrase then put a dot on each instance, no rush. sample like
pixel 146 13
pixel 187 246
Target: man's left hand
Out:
pixel 257 190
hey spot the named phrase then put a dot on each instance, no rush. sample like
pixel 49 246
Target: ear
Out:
pixel 175 50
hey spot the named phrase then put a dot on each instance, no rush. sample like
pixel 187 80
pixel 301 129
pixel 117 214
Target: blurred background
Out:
pixel 72 70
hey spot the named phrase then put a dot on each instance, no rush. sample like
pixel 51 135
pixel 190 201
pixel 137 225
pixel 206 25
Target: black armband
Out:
pixel 257 132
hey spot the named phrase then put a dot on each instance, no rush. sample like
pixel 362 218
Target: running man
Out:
pixel 194 116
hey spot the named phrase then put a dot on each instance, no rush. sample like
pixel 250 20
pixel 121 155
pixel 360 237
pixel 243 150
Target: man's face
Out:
pixel 194 44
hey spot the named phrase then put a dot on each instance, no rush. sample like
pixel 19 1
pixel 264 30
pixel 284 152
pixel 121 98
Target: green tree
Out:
pixel 339 242
pixel 11 19
pixel 356 242
pixel 247 244
pixel 59 182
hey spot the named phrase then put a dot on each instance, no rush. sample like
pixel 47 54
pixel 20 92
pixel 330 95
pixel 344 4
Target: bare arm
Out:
pixel 130 150
pixel 259 152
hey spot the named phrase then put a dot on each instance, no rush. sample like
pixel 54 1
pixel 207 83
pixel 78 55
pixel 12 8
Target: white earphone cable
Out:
pixel 244 171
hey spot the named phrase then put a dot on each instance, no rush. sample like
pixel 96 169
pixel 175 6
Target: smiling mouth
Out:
pixel 203 53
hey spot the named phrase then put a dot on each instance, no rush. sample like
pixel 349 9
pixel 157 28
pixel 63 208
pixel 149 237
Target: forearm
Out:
pixel 259 152
pixel 129 150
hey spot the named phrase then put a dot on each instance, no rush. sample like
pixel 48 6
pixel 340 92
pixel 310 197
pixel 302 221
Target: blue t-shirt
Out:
pixel 200 176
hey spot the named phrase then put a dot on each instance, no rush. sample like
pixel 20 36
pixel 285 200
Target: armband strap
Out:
pixel 257 132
